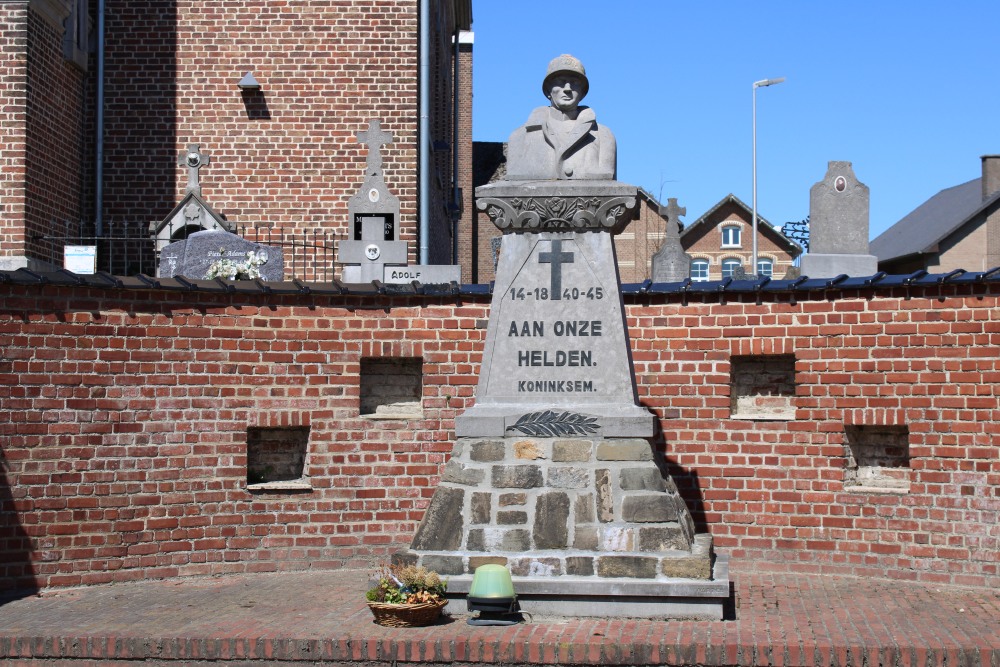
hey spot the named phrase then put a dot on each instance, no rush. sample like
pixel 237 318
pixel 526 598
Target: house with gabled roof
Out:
pixel 958 228
pixel 721 240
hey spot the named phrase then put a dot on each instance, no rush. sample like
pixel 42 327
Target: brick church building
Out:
pixel 99 99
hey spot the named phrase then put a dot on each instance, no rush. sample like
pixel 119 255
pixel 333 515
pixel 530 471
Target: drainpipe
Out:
pixel 457 212
pixel 424 135
pixel 99 130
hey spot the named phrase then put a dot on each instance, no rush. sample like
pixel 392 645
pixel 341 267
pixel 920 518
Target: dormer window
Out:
pixel 731 236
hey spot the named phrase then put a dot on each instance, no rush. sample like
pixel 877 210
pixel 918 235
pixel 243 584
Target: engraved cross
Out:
pixel 375 138
pixel 556 258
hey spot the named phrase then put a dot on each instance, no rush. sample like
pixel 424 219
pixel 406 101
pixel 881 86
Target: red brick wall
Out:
pixel 285 158
pixel 54 159
pixel 124 417
pixel 13 126
pixel 467 239
pixel 288 157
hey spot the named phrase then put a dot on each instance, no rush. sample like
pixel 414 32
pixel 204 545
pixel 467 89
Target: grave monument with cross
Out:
pixel 373 217
pixel 374 251
pixel 553 473
pixel 670 263
pixel 192 214
pixel 193 237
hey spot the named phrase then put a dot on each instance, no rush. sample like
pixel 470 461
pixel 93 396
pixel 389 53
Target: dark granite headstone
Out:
pixel 193 256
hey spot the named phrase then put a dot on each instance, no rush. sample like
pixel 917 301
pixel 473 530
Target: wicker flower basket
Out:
pixel 406 615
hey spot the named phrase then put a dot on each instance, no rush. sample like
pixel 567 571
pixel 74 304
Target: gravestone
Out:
pixel 373 212
pixel 670 263
pixel 838 226
pixel 375 252
pixel 193 256
pixel 192 214
pixel 552 473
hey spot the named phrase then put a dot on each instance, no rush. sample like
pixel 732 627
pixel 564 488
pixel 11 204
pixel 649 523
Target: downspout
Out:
pixel 99 129
pixel 423 135
pixel 456 214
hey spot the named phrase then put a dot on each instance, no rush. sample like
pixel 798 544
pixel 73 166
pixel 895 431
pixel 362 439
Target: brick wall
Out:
pixel 124 419
pixel 54 156
pixel 285 157
pixel 467 235
pixel 13 89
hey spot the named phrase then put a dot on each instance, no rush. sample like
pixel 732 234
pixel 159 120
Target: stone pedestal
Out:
pixel 552 475
pixel 587 526
pixel 557 357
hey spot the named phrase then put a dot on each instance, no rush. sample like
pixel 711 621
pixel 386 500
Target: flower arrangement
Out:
pixel 249 269
pixel 394 584
pixel 406 596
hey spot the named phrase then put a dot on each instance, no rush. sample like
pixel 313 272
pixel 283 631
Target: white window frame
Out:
pixel 770 266
pixel 700 261
pixel 730 230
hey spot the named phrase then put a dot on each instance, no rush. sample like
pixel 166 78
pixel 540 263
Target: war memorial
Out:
pixel 553 474
pixel 772 472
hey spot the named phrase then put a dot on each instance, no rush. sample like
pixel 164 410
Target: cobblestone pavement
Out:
pixel 321 618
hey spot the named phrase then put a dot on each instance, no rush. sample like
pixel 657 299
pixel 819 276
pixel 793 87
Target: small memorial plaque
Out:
pixel 80 259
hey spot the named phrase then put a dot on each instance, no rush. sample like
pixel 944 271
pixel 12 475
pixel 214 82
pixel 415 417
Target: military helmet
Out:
pixel 565 64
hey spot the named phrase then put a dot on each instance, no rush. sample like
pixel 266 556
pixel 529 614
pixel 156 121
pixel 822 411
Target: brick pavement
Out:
pixel 320 618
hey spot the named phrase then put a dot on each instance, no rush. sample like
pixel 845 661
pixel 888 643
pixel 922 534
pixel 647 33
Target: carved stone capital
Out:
pixel 544 206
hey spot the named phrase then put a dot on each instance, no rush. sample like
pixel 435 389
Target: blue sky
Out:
pixel 906 91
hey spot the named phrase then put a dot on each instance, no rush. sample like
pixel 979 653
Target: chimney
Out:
pixel 991 175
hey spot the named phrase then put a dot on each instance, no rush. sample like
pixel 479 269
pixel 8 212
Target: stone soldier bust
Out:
pixel 562 140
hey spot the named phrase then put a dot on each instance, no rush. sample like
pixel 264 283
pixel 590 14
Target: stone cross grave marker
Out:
pixel 194 160
pixel 670 263
pixel 374 218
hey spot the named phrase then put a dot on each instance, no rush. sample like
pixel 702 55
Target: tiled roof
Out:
pixel 926 226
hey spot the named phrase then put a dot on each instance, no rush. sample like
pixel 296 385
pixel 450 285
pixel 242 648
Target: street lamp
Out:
pixel 757 84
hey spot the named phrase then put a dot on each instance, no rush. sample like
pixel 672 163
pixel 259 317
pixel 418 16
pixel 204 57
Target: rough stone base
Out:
pixel 589 597
pixel 581 523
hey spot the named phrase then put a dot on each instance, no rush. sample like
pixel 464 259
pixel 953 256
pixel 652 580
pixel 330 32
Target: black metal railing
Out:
pixel 127 249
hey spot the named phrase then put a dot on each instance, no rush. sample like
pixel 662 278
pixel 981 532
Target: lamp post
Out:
pixel 757 84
